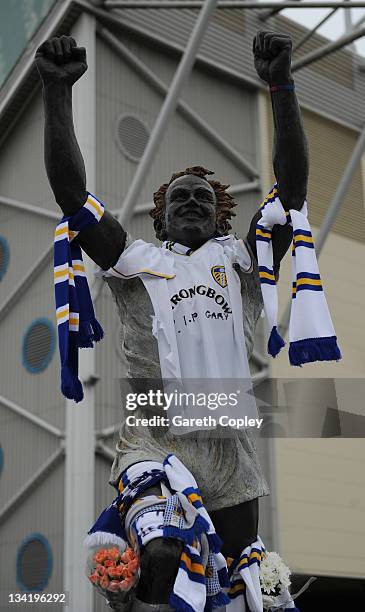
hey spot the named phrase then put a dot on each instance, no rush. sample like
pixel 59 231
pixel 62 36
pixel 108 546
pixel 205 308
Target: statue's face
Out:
pixel 190 213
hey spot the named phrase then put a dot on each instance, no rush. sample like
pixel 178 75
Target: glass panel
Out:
pixel 19 19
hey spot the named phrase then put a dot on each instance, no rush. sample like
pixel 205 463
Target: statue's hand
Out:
pixel 272 53
pixel 60 60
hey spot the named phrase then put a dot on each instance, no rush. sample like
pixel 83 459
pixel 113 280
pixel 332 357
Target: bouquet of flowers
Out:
pixel 113 570
pixel 275 581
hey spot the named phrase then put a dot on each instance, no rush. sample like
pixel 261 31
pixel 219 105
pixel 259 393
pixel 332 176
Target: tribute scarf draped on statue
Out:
pixel 76 322
pixel 203 581
pixel 311 333
pixel 179 513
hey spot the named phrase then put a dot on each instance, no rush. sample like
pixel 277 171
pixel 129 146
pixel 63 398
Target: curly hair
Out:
pixel 225 202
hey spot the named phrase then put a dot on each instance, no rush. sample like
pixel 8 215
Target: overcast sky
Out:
pixel 334 27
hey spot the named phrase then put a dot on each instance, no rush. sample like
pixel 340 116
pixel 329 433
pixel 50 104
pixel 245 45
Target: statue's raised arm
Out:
pixel 61 63
pixel 272 56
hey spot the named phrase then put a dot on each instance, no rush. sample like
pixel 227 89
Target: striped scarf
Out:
pixel 195 588
pixel 244 573
pixel 179 513
pixel 76 322
pixel 311 333
pixel 203 582
pixel 245 588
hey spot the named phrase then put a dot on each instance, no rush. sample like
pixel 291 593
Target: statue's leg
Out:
pixel 237 526
pixel 159 565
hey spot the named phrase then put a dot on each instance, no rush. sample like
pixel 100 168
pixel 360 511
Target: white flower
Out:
pixel 274 574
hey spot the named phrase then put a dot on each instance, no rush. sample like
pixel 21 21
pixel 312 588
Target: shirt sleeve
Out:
pixel 237 252
pixel 139 259
pixel 243 256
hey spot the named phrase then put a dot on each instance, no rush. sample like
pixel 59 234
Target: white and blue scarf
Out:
pixel 76 322
pixel 244 572
pixel 205 580
pixel 179 514
pixel 245 589
pixel 311 332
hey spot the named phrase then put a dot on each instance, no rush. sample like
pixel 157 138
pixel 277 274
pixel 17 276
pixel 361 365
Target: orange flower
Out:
pixel 126 572
pixel 128 555
pixel 109 563
pixel 115 572
pixel 101 569
pixel 114 553
pixel 104 582
pixel 125 584
pixel 94 578
pixel 113 585
pixel 100 556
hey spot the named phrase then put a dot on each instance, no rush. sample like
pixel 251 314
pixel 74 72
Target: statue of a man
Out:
pixel 190 211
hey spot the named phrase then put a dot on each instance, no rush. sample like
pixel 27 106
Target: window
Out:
pixel 38 345
pixel 34 563
pixel 4 256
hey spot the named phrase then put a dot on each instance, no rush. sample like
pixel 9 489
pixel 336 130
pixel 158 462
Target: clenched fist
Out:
pixel 60 60
pixel 272 53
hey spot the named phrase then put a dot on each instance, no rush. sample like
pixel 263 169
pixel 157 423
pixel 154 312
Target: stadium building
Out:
pixel 55 456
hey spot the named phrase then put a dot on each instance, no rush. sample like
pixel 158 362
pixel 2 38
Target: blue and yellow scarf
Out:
pixel 76 322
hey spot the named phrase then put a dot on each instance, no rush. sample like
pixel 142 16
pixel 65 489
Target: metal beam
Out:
pixel 309 34
pixel 28 488
pixel 328 48
pixel 259 359
pixel 260 375
pixel 167 109
pixel 196 4
pixel 358 23
pixel 107 431
pixel 80 419
pixel 104 451
pixel 30 208
pixel 110 18
pixel 26 281
pixel 348 20
pixel 33 418
pixel 272 12
pixel 185 110
pixel 332 211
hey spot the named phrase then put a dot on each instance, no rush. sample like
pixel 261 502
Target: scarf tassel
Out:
pixel 314 349
pixel 71 387
pixel 90 332
pixel 276 343
pixel 104 539
pixel 179 604
pixel 216 601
